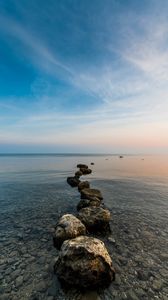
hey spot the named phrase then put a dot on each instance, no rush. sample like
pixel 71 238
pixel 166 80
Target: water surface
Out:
pixel 34 193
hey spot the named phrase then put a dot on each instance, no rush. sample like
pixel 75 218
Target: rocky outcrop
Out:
pixel 88 203
pixel 68 227
pixel 73 181
pixel 95 218
pixel 83 185
pixel 90 193
pixel 85 263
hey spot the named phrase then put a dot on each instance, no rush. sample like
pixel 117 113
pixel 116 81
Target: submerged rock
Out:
pixel 85 171
pixel 73 181
pixel 83 185
pixel 84 262
pixel 68 227
pixel 82 166
pixel 90 194
pixel 95 202
pixel 95 218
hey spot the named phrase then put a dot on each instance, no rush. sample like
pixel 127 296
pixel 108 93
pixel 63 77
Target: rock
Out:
pixel 6 296
pixel 73 181
pixel 95 218
pixel 19 281
pixel 90 193
pixel 131 295
pixel 68 227
pixel 82 166
pixel 92 163
pixel 83 185
pixel 78 174
pixel 85 171
pixel 85 263
pixel 111 239
pixel 157 284
pixel 88 203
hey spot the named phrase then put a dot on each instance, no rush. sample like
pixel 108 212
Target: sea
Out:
pixel 33 195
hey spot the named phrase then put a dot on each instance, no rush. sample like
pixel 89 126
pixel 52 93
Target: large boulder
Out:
pixel 68 227
pixel 84 262
pixel 82 166
pixel 73 181
pixel 95 218
pixel 90 193
pixel 86 202
pixel 83 185
pixel 85 171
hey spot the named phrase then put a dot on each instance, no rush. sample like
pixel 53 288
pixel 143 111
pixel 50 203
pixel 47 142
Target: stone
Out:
pixel 92 163
pixel 95 218
pixel 83 185
pixel 73 181
pixel 90 193
pixel 68 227
pixel 84 263
pixel 157 284
pixel 82 166
pixel 78 174
pixel 19 281
pixel 88 203
pixel 85 171
pixel 131 295
pixel 6 296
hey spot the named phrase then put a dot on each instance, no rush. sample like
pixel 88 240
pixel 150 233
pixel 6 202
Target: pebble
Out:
pixel 19 281
pixel 131 295
pixel 157 284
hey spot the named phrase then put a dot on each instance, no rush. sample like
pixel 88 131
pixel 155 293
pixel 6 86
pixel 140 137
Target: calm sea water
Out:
pixel 34 192
pixel 24 176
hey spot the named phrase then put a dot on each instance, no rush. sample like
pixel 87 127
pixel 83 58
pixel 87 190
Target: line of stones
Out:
pixel 83 260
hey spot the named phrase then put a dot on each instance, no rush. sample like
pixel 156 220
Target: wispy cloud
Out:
pixel 127 86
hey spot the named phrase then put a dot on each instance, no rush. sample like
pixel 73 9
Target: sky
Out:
pixel 84 76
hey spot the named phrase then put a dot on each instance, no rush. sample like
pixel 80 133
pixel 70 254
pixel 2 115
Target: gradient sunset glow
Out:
pixel 84 76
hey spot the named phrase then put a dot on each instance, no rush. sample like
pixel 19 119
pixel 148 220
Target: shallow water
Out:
pixel 34 193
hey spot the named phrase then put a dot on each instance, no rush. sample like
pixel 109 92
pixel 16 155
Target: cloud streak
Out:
pixel 123 92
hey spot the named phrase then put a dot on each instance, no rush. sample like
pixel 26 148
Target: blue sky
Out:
pixel 84 76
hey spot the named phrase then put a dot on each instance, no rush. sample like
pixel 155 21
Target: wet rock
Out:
pixel 82 166
pixel 111 240
pixel 90 193
pixel 88 203
pixel 78 174
pixel 95 218
pixel 6 296
pixel 85 171
pixel 84 262
pixel 92 163
pixel 15 274
pixel 157 284
pixel 41 286
pixel 19 281
pixel 131 295
pixel 68 227
pixel 83 185
pixel 73 181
